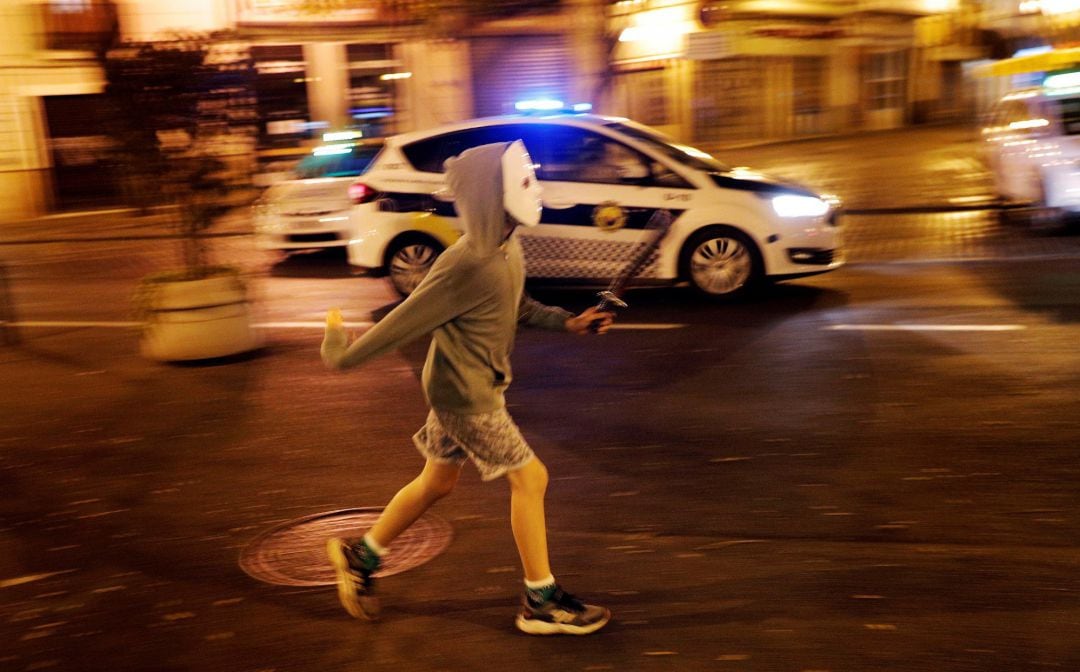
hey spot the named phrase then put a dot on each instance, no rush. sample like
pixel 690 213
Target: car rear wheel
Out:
pixel 409 260
pixel 721 263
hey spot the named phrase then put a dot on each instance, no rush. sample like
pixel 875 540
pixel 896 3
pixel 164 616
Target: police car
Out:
pixel 311 208
pixel 602 178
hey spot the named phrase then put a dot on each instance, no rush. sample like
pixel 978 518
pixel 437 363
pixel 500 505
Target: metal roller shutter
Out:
pixel 729 99
pixel 509 69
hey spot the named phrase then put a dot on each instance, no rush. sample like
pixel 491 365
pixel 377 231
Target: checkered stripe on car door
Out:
pixel 581 258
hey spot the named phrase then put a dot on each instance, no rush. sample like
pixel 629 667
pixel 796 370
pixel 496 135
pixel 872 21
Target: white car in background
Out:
pixel 311 210
pixel 1032 148
pixel 602 178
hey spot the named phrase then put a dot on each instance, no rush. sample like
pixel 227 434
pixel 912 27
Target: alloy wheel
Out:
pixel 721 265
pixel 409 265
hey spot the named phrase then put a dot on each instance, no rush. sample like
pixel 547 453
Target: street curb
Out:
pixel 753 144
pixel 928 209
pixel 119 238
pixel 899 210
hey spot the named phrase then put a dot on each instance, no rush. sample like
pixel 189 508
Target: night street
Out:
pixel 872 469
pixel 753 327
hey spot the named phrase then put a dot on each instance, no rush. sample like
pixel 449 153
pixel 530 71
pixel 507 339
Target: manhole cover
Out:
pixel 294 553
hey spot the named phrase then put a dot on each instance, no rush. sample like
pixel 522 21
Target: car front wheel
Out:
pixel 721 263
pixel 409 261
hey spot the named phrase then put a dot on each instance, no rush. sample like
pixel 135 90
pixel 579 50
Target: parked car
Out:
pixel 276 165
pixel 1032 148
pixel 311 209
pixel 602 178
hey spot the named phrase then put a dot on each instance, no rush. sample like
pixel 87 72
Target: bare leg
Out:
pixel 436 481
pixel 527 488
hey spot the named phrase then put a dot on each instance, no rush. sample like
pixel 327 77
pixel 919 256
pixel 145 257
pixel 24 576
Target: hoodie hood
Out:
pixel 476 181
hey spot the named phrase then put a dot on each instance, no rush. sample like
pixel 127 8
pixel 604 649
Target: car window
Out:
pixel 683 154
pixel 349 164
pixel 571 154
pixel 428 155
pixel 562 153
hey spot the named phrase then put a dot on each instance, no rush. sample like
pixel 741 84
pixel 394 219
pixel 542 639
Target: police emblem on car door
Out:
pixel 597 196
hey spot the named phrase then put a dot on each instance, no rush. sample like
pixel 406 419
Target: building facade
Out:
pixel 705 71
pixel 716 72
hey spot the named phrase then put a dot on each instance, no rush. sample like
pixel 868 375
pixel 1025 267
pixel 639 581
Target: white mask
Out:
pixel 521 189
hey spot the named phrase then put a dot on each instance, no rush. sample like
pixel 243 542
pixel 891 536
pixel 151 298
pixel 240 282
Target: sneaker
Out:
pixel 562 614
pixel 356 586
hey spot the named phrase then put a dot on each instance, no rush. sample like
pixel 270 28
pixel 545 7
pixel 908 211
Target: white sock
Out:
pixel 542 583
pixel 371 543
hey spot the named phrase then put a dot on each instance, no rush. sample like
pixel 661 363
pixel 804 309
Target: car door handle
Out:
pixel 555 204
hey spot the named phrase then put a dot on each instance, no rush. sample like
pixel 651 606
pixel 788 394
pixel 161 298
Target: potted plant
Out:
pixel 179 113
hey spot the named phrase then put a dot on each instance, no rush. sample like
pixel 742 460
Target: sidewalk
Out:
pixel 909 170
pixel 113 224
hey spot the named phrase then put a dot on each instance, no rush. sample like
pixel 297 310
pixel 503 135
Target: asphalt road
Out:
pixel 870 470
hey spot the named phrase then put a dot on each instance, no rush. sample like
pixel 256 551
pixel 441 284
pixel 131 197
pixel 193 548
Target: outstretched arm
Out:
pixel 443 295
pixel 536 314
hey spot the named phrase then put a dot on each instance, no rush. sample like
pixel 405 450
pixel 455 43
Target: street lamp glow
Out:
pixel 658 27
pixel 1053 7
pixel 940 6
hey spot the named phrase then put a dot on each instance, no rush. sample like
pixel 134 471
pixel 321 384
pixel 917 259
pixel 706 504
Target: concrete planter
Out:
pixel 192 319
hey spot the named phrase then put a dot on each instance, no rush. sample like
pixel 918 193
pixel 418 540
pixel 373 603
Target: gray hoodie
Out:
pixel 470 302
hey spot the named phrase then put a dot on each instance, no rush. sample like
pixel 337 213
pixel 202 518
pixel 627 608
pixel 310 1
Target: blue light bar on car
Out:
pixel 339 136
pixel 550 105
pixel 538 105
pixel 333 149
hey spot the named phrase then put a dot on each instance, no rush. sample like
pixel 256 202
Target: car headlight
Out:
pixel 794 205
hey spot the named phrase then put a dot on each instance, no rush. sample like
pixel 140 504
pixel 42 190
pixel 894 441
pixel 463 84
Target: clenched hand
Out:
pixel 580 324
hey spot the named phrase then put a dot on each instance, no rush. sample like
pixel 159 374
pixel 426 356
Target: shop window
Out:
pixel 281 88
pixel 809 85
pixel 79 24
pixel 886 75
pixel 372 99
pixel 83 170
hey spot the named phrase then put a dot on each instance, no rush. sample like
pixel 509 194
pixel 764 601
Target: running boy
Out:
pixel 471 303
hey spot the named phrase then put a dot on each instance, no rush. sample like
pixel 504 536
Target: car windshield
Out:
pixel 349 162
pixel 684 154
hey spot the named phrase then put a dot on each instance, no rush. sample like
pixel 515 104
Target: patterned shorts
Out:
pixel 491 440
